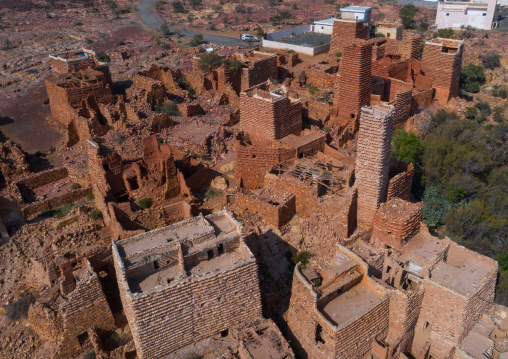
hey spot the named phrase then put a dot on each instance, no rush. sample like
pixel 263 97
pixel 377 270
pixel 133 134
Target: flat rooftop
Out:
pixel 74 55
pixel 328 21
pixel 350 304
pixel 193 228
pixel 424 249
pixel 299 141
pixel 356 8
pixel 465 279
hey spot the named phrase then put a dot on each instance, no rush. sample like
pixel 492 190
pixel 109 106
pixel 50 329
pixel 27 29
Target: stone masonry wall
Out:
pixel 345 33
pixel 194 309
pixel 443 68
pixel 402 104
pixel 410 46
pixel 400 185
pixel 306 195
pixel 270 119
pixel 355 80
pixel 260 71
pixel 374 145
pixel 277 215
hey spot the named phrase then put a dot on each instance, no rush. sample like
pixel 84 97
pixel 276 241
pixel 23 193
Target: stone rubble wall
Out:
pixel 277 215
pixel 400 185
pixel 372 162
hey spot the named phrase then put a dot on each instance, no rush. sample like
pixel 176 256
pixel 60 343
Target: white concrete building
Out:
pixel 457 14
pixel 356 12
pixel 324 26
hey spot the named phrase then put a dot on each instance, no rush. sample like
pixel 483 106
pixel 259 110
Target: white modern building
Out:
pixel 356 12
pixel 456 14
pixel 324 26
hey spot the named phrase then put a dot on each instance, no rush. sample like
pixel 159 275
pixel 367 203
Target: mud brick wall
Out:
pixel 277 215
pixel 380 69
pixel 302 321
pixel 321 79
pixel 399 70
pixel 317 111
pixel 199 179
pixel 273 119
pixel 65 67
pixel 410 46
pixel 399 186
pixel 165 320
pixel 396 221
pixel 252 162
pixel 229 76
pixel 374 145
pixel 42 178
pixel 189 110
pixel 32 210
pixel 355 339
pixel 355 80
pixel 402 104
pixel 443 68
pixel 444 311
pixel 260 71
pixel 346 33
pixel 86 307
pixel 306 195
pixel 421 99
pixel 396 86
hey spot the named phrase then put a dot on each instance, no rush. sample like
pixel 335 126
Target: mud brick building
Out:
pixel 389 30
pixel 372 162
pixel 355 83
pixel 67 316
pixel 186 282
pixel 73 61
pixel 337 311
pixel 409 47
pixel 67 92
pixel 441 62
pixel 256 156
pixel 274 206
pixel 347 32
pixel 401 180
pixel 396 221
pixel 269 114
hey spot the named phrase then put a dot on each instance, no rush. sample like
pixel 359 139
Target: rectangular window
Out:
pixel 220 248
pixel 210 254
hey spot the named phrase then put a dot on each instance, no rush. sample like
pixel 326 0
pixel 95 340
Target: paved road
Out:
pixel 148 18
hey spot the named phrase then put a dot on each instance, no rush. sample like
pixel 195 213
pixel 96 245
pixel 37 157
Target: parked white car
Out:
pixel 249 37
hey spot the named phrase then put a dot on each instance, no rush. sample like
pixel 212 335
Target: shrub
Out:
pixel 95 214
pixel 484 109
pixel 471 113
pixel 435 207
pixel 196 40
pixel 211 26
pixel 75 186
pixel 59 212
pixel 490 60
pixel 145 202
pixel 212 193
pixel 40 154
pixel 313 90
pixel 446 33
pixel 503 93
pixel 18 309
pixel 301 257
pixel 338 53
pixel 302 77
pixel 169 108
pixel 178 6
pixel 160 139
pixel 406 147
pixel 102 57
pixel 118 138
pixel 209 59
pixel 241 9
pixel 471 77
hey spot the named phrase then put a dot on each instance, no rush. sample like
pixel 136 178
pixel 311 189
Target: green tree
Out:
pixel 435 207
pixel 178 7
pixel 407 15
pixel 260 32
pixel 471 77
pixel 406 147
pixel 471 113
pixel 209 59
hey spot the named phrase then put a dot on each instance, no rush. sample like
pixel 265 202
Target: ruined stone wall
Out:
pixel 253 161
pixel 65 67
pixel 443 68
pixel 355 340
pixel 317 111
pixel 199 179
pixel 352 214
pixel 45 322
pixel 151 90
pixel 32 210
pixel 346 33
pixel 374 145
pixel 355 80
pixel 321 79
pixel 229 76
pixel 402 104
pixel 86 307
pixel 399 186
pixel 421 99
pixel 410 45
pixel 394 227
pixel 192 310
pixel 270 119
pixel 190 109
pixel 306 195
pixel 42 178
pixel 397 86
pixel 277 215
pixel 260 71
pixel 302 321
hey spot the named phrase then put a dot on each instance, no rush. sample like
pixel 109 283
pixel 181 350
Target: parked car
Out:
pixel 249 37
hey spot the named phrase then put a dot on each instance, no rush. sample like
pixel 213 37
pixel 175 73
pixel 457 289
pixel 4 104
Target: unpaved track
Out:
pixel 150 20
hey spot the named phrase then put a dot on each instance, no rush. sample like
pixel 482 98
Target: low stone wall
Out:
pixel 277 215
pixel 32 210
